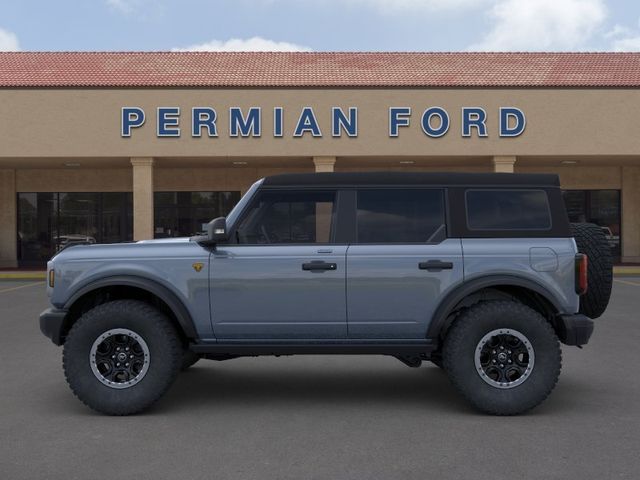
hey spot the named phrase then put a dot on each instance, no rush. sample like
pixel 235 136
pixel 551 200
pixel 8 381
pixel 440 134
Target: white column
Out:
pixel 504 163
pixel 324 164
pixel 142 198
pixel 8 219
pixel 630 214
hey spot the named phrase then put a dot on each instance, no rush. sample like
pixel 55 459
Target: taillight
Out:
pixel 582 263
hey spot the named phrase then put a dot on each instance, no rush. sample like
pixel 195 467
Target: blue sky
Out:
pixel 413 25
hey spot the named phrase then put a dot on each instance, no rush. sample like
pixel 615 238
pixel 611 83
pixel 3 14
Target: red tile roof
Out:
pixel 323 69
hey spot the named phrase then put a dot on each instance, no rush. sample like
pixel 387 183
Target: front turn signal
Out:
pixel 52 277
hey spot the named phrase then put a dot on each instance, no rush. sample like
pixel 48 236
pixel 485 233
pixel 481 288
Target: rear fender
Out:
pixel 447 305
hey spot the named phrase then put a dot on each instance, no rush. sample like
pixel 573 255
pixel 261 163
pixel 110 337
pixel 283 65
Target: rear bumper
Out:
pixel 575 329
pixel 52 324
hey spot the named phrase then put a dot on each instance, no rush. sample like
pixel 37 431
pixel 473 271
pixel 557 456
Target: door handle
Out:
pixel 319 266
pixel 435 265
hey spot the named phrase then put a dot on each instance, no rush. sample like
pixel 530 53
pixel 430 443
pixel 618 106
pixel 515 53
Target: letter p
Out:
pixel 132 117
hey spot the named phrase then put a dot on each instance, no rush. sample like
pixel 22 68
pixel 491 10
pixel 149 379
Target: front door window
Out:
pixel 278 217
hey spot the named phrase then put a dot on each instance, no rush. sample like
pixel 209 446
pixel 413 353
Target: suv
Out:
pixel 481 274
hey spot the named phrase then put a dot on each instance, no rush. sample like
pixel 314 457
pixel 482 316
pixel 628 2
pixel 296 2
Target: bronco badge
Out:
pixel 197 266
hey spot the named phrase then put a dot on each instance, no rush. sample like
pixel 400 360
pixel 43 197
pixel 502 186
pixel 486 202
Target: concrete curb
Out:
pixel 626 271
pixel 23 275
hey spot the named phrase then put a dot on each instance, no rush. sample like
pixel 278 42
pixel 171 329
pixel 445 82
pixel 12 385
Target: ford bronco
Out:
pixel 481 274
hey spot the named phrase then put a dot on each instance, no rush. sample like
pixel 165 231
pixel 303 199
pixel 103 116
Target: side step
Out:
pixel 403 349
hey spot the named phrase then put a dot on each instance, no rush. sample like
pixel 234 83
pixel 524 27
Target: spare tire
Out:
pixel 591 241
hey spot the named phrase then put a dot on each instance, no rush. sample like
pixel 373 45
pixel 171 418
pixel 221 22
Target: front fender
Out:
pixel 178 273
pixel 175 304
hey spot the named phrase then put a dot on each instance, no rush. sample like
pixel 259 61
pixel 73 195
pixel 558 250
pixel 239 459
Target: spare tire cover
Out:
pixel 591 240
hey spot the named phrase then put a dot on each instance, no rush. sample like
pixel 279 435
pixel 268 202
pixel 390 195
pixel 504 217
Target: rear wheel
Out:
pixel 120 357
pixel 503 356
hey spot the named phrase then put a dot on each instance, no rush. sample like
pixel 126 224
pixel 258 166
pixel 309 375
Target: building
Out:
pixel 111 147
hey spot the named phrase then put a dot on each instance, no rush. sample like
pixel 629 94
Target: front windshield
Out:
pixel 233 215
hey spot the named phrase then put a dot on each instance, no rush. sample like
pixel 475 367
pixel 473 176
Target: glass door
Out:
pixel 48 222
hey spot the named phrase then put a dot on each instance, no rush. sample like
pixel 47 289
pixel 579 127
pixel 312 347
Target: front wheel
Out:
pixel 189 359
pixel 503 356
pixel 120 357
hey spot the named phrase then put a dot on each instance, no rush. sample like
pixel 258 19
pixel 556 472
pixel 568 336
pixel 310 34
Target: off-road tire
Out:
pixel 463 339
pixel 189 359
pixel 165 356
pixel 592 241
pixel 436 359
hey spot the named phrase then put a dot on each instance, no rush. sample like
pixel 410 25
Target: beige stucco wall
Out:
pixel 44 129
pixel 580 177
pixel 206 179
pixel 85 122
pixel 74 180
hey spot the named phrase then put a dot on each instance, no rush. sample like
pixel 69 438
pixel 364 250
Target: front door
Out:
pixel 284 277
pixel 401 264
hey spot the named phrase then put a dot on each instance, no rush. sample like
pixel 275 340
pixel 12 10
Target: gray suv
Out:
pixel 481 274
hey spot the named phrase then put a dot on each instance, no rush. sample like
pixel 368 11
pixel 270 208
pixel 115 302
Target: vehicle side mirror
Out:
pixel 217 230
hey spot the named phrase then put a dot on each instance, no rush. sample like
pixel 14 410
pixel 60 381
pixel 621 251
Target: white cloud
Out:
pixel 8 41
pixel 628 44
pixel 624 39
pixel 542 25
pixel 253 44
pixel 124 6
pixel 415 5
pixel 127 7
pixel 617 31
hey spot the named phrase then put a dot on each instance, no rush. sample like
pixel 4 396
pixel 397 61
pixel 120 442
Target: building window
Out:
pixel 47 222
pixel 601 207
pixel 184 214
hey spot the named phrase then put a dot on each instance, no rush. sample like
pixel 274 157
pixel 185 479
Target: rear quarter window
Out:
pixel 502 209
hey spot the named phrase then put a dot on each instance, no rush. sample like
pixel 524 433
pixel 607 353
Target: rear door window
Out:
pixel 507 210
pixel 400 215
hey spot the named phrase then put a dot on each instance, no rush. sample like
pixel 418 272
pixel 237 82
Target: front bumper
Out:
pixel 574 329
pixel 52 324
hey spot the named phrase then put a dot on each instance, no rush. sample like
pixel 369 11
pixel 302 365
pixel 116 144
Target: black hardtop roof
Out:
pixel 413 178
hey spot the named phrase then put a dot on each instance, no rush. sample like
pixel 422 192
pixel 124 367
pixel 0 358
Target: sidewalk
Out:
pixel 618 271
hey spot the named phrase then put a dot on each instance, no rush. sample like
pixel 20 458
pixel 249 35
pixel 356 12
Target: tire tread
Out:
pixel 592 241
pixel 116 308
pixel 460 332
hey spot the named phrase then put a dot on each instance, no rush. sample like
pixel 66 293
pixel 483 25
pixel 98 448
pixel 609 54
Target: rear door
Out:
pixel 401 263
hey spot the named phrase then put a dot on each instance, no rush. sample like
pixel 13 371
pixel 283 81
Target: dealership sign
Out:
pixel 203 121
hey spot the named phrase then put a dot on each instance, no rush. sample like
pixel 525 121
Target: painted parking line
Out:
pixel 627 282
pixel 20 286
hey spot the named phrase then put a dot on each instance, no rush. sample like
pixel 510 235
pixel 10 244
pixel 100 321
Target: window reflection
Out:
pixel 48 222
pixel 184 214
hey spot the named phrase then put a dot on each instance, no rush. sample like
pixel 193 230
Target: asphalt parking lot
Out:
pixel 319 417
